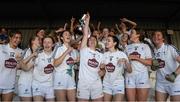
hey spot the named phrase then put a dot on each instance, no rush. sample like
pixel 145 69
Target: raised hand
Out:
pixel 87 19
pixel 59 30
pixel 65 26
pixel 122 61
pixel 73 20
pixel 124 19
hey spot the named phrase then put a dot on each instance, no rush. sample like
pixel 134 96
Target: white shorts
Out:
pixel 170 88
pixel 140 80
pixel 44 91
pixel 113 88
pixel 24 90
pixel 89 91
pixel 6 91
pixel 64 81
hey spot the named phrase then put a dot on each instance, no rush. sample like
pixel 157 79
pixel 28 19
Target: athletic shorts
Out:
pixel 88 90
pixel 170 88
pixel 117 87
pixel 6 91
pixel 42 90
pixel 64 82
pixel 140 80
pixel 24 90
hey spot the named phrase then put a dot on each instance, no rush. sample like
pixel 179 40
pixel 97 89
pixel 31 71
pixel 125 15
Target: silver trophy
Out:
pixel 82 22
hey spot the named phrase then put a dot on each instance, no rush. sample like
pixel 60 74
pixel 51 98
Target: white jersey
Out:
pixel 142 51
pixel 67 64
pixel 8 66
pixel 26 76
pixel 89 65
pixel 43 69
pixel 166 55
pixel 114 70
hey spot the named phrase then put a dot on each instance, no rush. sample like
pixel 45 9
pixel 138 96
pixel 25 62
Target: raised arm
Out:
pixel 117 27
pixel 130 22
pixel 92 26
pixel 98 26
pixel 72 25
pixel 61 58
pixel 85 31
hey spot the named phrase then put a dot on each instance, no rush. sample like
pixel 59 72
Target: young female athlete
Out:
pixel 137 82
pixel 89 84
pixel 9 60
pixel 116 63
pixel 25 79
pixel 168 58
pixel 65 58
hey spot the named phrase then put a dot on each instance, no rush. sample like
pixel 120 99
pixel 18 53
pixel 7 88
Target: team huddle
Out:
pixel 116 71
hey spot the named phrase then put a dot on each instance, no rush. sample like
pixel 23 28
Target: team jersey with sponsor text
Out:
pixel 114 70
pixel 67 64
pixel 89 65
pixel 43 69
pixel 166 56
pixel 140 50
pixel 8 66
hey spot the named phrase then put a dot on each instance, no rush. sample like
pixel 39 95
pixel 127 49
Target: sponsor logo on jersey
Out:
pixel 110 67
pixel 10 63
pixel 93 63
pixel 70 61
pixel 136 54
pixel 48 69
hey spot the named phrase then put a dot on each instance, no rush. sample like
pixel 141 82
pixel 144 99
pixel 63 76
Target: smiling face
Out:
pixel 124 37
pixel 15 40
pixel 110 43
pixel 134 36
pixel 48 44
pixel 92 42
pixel 36 41
pixel 66 37
pixel 158 38
pixel 105 32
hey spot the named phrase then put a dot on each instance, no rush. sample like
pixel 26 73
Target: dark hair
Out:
pixel 142 37
pixel 116 40
pixel 61 34
pixel 12 33
pixel 50 38
pixel 160 32
pixel 38 30
pixel 54 35
pixel 32 38
pixel 92 36
pixel 163 35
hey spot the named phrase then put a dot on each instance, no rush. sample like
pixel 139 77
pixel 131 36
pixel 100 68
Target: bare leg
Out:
pixel 71 95
pixel 118 97
pixel 60 95
pixel 159 96
pixel 107 97
pixel 7 97
pixel 142 94
pixel 131 94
